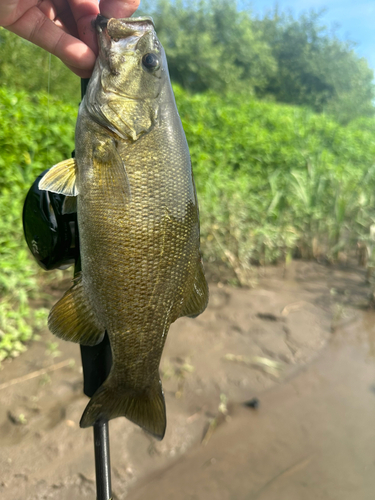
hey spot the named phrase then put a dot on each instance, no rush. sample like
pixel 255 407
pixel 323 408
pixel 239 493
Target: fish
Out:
pixel 132 186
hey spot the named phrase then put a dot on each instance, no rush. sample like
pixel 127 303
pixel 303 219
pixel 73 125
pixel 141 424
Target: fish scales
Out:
pixel 138 223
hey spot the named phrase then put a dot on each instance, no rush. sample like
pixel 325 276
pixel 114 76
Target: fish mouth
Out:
pixel 119 35
pixel 125 27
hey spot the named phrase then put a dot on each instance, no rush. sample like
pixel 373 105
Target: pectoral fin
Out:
pixel 198 299
pixel 61 178
pixel 112 176
pixel 72 317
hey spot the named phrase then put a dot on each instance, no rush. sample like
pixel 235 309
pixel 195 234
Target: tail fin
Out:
pixel 144 409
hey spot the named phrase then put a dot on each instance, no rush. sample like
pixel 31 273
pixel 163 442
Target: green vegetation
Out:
pixel 316 69
pixel 35 132
pixel 280 121
pixel 277 181
pixel 26 67
pixel 212 45
pixel 274 181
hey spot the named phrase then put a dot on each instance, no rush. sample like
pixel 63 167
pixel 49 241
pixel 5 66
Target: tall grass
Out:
pixel 278 181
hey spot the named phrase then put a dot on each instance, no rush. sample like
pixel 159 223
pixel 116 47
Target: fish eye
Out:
pixel 151 61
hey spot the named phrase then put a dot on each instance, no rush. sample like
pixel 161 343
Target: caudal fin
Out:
pixel 146 409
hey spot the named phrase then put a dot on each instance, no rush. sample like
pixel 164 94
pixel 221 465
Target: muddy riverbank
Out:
pixel 298 342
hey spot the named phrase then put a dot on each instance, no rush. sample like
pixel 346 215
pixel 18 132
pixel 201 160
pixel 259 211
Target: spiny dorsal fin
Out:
pixel 61 178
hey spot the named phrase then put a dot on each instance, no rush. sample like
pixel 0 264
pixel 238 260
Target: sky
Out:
pixel 355 19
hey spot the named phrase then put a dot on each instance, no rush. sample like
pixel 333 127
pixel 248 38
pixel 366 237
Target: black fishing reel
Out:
pixel 51 235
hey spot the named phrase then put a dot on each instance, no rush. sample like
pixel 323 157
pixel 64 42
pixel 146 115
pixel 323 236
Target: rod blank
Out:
pixel 102 461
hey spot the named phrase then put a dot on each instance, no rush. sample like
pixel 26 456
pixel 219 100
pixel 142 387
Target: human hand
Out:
pixel 63 27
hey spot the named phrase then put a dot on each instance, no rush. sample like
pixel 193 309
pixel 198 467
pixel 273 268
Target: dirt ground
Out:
pixel 249 343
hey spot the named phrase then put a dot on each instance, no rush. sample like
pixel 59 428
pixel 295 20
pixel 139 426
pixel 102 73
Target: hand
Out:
pixel 63 27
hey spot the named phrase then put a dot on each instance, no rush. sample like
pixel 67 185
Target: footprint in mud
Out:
pixel 55 416
pixel 21 420
pixel 11 431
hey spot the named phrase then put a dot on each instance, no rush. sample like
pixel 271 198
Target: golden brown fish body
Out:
pixel 138 223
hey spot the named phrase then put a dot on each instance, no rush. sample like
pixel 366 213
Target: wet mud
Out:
pixel 299 344
pixel 312 438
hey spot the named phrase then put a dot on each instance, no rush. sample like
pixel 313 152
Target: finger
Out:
pixel 79 72
pixel 48 9
pixel 39 29
pixel 66 18
pixel 84 12
pixel 118 8
pixel 70 29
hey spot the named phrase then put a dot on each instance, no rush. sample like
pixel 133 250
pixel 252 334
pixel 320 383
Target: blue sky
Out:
pixel 355 19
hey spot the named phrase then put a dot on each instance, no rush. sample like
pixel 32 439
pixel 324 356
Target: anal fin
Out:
pixel 72 317
pixel 198 300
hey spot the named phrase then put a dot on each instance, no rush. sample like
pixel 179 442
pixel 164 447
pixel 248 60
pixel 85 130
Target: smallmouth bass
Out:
pixel 138 222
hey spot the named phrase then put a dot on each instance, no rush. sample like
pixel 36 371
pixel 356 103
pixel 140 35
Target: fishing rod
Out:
pixel 53 239
pixel 96 364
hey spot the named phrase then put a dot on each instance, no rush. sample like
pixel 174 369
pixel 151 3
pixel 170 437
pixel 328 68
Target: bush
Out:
pixel 35 132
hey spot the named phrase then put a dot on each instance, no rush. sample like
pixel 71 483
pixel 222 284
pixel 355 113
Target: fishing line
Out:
pixel 48 93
